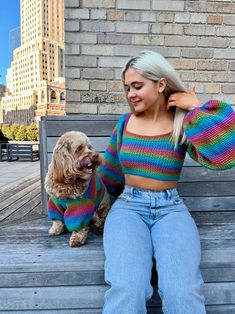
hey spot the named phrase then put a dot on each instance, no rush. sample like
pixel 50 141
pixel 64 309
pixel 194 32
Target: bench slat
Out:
pixel 206 188
pixel 98 143
pixel 89 127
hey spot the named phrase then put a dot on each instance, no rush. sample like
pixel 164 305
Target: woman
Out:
pixel 141 167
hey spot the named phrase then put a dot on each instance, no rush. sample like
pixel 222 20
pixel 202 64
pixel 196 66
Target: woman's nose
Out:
pixel 131 94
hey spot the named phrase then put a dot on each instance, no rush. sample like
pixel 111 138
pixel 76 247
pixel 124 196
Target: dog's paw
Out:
pixel 78 238
pixel 57 228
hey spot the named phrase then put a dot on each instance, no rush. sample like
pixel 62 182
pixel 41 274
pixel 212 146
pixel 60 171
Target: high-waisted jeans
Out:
pixel 143 225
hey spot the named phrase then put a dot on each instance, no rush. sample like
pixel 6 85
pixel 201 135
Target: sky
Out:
pixel 9 19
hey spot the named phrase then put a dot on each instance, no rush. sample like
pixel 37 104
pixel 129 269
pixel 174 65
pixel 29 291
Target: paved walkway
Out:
pixel 11 172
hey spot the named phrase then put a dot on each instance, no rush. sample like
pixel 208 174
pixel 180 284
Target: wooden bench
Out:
pixel 3 151
pixel 209 195
pixel 26 151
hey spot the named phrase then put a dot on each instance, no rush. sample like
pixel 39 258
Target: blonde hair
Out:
pixel 154 66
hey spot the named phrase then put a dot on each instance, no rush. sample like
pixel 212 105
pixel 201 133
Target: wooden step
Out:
pixel 42 273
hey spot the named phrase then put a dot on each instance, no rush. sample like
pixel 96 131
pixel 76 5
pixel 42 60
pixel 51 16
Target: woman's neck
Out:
pixel 158 112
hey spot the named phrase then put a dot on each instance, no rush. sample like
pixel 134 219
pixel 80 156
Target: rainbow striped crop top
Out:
pixel 210 132
pixel 151 156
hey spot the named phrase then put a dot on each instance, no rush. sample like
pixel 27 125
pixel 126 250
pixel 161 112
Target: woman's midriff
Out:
pixel 149 184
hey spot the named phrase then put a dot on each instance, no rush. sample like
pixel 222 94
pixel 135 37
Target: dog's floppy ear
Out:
pixel 61 160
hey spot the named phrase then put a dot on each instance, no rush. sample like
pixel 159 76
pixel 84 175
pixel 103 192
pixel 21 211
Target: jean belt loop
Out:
pixel 169 193
pixel 132 191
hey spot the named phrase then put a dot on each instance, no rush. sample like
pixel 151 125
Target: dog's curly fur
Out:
pixel 69 175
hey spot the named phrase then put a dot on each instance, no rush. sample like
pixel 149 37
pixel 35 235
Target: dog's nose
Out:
pixel 94 156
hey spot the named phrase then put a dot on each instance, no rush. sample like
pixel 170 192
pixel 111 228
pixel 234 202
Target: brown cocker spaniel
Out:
pixel 78 198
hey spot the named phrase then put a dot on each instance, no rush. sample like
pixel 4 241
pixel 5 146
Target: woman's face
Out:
pixel 142 93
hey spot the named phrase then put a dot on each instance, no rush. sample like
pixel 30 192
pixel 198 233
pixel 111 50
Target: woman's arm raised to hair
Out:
pixel 210 130
pixel 186 101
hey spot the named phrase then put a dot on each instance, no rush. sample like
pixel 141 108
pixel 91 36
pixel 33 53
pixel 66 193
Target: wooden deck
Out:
pixel 21 201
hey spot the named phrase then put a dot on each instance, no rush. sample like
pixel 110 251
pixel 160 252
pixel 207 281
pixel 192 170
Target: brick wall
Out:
pixel 197 37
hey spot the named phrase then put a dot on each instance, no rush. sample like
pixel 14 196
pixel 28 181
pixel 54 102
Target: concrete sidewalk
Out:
pixel 11 172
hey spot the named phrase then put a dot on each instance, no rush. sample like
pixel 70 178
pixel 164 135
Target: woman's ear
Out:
pixel 161 85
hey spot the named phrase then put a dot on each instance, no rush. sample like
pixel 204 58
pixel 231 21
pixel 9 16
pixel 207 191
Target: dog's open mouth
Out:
pixel 87 164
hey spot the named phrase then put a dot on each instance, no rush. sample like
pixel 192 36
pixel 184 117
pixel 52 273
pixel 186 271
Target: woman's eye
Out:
pixel 133 88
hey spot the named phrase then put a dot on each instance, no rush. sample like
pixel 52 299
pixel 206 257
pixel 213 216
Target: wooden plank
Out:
pixel 21 201
pixel 223 244
pixel 64 256
pixel 77 297
pixel 219 274
pixel 209 203
pixel 51 298
pixel 50 279
pixel 78 117
pixel 88 277
pixel 220 309
pixel 9 191
pixel 215 294
pixel 211 228
pixel 18 195
pixel 20 198
pixel 217 231
pixel 99 143
pixel 206 189
pixel 26 212
pixel 210 309
pixel 194 174
pixel 37 257
pixel 90 127
pixel 57 311
pixel 213 217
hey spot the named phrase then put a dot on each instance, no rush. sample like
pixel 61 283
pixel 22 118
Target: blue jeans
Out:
pixel 143 225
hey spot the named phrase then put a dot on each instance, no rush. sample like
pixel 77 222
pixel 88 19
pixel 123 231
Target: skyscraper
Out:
pixel 14 40
pixel 36 77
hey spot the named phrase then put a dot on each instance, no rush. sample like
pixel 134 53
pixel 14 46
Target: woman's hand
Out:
pixel 186 101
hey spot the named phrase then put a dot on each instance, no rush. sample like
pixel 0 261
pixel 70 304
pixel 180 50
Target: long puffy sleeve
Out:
pixel 210 131
pixel 110 170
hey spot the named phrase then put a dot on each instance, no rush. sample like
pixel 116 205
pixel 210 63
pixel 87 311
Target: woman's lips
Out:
pixel 135 103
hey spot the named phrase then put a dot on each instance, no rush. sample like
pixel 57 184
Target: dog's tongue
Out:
pixel 86 162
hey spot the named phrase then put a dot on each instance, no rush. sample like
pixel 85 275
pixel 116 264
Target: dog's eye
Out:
pixel 79 148
pixel 89 146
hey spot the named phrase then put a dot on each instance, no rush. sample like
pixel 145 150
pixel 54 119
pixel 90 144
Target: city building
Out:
pixel 2 94
pixel 35 81
pixel 14 40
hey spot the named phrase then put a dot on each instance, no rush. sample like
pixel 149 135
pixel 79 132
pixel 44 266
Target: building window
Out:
pixel 53 96
pixel 62 98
